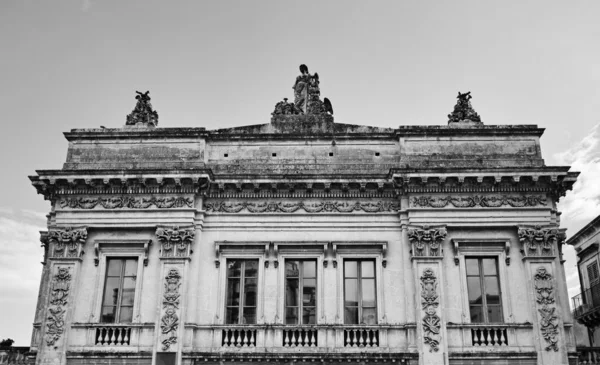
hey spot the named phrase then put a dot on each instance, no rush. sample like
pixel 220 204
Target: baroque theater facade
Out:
pixel 304 240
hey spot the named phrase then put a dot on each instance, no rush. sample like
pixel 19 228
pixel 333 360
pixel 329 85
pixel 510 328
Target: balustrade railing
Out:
pixel 113 336
pixel 361 337
pixel 587 300
pixel 300 337
pixel 489 336
pixel 239 337
pixel 589 355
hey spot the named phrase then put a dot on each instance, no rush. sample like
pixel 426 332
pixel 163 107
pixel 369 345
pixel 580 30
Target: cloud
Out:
pixel 583 203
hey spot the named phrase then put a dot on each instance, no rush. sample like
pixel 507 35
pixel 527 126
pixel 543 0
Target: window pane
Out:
pixel 368 292
pixel 350 293
pixel 251 268
pixel 472 266
pixel 308 315
pixel 474 290
pixel 234 269
pixel 128 293
pixel 249 315
pixel 309 292
pixel 126 315
pixel 233 292
pixel 367 269
pixel 495 313
pixel 310 269
pixel 114 267
pixel 351 315
pixel 350 270
pixel 108 314
pixel 369 316
pixel 111 291
pixel 492 291
pixel 291 269
pixel 232 315
pixel 476 314
pixel 131 267
pixel 250 292
pixel 291 293
pixel 489 266
pixel 291 315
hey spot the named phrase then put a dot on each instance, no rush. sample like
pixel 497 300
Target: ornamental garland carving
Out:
pixel 430 301
pixel 126 202
pixel 307 206
pixel 538 241
pixel 55 322
pixel 68 242
pixel 487 201
pixel 426 241
pixel 169 322
pixel 175 242
pixel 545 297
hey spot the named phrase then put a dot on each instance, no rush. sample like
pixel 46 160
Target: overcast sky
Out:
pixel 76 64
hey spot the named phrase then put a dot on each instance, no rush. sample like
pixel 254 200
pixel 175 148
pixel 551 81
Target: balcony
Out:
pixel 588 355
pixel 587 306
pixel 490 337
pixel 126 337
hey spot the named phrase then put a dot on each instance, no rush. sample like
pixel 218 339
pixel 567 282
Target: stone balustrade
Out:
pixel 113 336
pixel 472 337
pixel 589 355
pixel 300 337
pixel 239 336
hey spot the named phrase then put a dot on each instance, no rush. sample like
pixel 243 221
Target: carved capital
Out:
pixel 538 241
pixel 427 241
pixel 67 242
pixel 175 242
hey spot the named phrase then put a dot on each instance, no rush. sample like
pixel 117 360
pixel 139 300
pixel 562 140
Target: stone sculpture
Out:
pixel 463 111
pixel 306 97
pixel 143 114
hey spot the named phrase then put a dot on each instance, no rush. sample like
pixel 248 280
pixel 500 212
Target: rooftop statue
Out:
pixel 306 97
pixel 463 111
pixel 143 113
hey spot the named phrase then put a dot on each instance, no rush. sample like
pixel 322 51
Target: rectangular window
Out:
pixel 119 290
pixel 360 302
pixel 483 284
pixel 300 291
pixel 593 274
pixel 242 285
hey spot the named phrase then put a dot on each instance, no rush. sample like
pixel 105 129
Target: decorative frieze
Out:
pixel 548 317
pixel 327 206
pixel 427 241
pixel 59 292
pixel 175 242
pixel 119 202
pixel 538 241
pixel 486 201
pixel 67 243
pixel 430 302
pixel 169 321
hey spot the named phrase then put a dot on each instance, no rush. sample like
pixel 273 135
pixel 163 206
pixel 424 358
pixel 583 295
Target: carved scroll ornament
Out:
pixel 427 241
pixel 487 201
pixel 169 322
pixel 67 242
pixel 175 242
pixel 430 302
pixel 307 206
pixel 548 318
pixel 55 322
pixel 126 202
pixel 539 241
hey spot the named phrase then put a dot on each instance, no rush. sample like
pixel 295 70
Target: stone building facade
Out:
pixel 304 240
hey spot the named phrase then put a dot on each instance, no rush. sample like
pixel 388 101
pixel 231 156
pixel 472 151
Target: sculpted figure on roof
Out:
pixel 306 97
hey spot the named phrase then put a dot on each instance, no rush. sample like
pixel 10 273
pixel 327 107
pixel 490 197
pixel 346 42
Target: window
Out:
pixel 119 290
pixel 483 285
pixel 360 303
pixel 300 291
pixel 242 283
pixel 593 275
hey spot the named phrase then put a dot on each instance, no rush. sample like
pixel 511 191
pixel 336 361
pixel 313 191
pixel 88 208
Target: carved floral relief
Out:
pixel 175 242
pixel 426 241
pixel 487 201
pixel 169 322
pixel 548 317
pixel 539 241
pixel 120 202
pixel 67 242
pixel 307 206
pixel 55 322
pixel 430 302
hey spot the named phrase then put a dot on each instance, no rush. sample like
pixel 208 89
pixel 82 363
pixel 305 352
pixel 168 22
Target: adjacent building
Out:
pixel 304 240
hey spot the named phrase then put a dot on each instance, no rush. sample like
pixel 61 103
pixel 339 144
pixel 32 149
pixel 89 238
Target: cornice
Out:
pixel 480 130
pixel 589 230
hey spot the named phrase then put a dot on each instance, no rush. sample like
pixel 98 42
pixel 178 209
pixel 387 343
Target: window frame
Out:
pixel 121 277
pixel 242 298
pixel 359 288
pixel 482 285
pixel 300 291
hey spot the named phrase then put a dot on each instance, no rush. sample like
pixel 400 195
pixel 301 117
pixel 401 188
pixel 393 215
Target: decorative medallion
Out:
pixel 430 302
pixel 68 242
pixel 426 241
pixel 169 322
pixel 343 206
pixel 539 241
pixel 175 242
pixel 486 201
pixel 55 322
pixel 545 297
pixel 127 202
